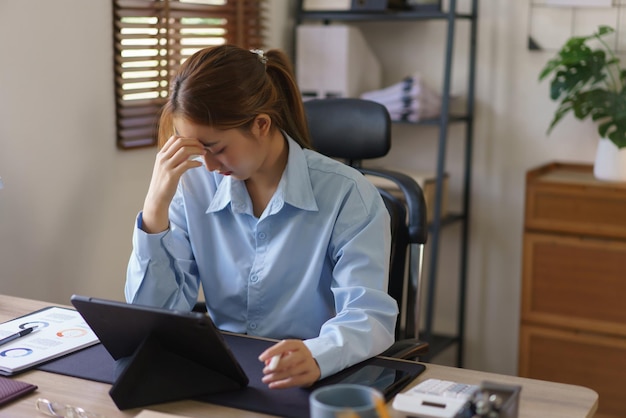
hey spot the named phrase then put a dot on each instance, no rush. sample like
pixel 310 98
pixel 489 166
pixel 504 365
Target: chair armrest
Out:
pixel 407 349
pixel 414 196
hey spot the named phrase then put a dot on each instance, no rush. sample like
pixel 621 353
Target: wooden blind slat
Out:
pixel 140 110
pixel 149 36
pixel 138 122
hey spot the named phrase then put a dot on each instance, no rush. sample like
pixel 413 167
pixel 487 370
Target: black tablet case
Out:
pixel 161 355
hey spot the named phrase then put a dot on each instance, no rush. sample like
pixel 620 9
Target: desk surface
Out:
pixel 538 398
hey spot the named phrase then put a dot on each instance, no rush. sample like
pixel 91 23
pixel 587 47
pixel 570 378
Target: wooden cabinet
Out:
pixel 573 319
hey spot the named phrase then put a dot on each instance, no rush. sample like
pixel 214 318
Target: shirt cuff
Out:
pixel 324 351
pixel 145 244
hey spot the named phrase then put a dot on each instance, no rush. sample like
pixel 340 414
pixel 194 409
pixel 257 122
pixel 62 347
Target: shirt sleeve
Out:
pixel 162 271
pixel 366 315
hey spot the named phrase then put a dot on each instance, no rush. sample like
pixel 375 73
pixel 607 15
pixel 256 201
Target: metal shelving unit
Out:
pixel 437 342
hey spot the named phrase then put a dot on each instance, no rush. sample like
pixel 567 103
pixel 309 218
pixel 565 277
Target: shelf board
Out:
pixel 448 219
pixel 423 13
pixel 435 121
pixel 439 343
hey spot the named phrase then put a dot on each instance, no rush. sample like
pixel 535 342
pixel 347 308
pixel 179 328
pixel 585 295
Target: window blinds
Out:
pixel 152 38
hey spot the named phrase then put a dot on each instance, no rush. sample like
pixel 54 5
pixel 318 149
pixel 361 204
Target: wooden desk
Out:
pixel 538 398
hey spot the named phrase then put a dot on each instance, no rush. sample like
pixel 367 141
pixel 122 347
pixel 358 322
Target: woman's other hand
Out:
pixel 296 367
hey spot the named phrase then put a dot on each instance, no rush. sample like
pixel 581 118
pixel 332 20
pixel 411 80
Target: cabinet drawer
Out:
pixel 593 361
pixel 575 283
pixel 567 198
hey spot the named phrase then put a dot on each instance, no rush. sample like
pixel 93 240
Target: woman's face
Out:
pixel 230 152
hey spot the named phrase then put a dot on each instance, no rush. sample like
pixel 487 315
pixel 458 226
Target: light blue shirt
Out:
pixel 314 266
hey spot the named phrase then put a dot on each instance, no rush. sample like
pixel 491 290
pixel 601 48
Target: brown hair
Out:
pixel 227 87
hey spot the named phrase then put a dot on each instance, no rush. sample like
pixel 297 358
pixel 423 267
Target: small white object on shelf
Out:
pixel 407 100
pixel 331 59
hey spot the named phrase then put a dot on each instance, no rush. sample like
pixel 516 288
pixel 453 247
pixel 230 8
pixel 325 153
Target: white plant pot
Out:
pixel 610 164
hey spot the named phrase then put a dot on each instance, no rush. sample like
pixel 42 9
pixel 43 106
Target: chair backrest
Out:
pixel 354 130
pixel 365 133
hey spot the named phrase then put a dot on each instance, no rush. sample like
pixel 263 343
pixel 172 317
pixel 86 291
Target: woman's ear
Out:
pixel 262 124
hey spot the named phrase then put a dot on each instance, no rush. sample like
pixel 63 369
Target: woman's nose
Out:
pixel 211 162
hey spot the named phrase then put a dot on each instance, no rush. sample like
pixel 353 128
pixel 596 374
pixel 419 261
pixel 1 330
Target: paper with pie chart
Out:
pixel 58 331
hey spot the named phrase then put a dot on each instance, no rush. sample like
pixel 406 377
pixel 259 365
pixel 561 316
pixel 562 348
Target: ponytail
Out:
pixel 279 69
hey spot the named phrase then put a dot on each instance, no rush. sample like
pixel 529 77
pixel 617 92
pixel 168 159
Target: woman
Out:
pixel 284 242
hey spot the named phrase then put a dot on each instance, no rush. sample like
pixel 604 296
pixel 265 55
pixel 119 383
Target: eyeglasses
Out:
pixel 55 409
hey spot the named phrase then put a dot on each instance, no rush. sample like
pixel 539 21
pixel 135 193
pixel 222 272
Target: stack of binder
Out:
pixel 409 100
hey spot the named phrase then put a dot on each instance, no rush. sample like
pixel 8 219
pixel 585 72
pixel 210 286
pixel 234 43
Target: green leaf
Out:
pixel 550 66
pixel 604 30
pixel 563 109
pixel 621 75
pixel 574 53
pixel 606 108
pixel 577 75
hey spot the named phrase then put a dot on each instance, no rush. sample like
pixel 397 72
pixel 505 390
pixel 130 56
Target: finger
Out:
pixel 300 380
pixel 277 364
pixel 181 156
pixel 168 143
pixel 175 143
pixel 289 366
pixel 188 154
pixel 279 348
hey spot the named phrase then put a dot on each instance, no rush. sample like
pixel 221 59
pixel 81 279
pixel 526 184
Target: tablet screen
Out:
pixel 387 375
pixel 387 380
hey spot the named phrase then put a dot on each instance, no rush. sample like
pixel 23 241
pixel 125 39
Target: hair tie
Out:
pixel 260 54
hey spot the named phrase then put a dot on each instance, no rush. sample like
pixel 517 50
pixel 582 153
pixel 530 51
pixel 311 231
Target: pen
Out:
pixel 274 362
pixel 381 409
pixel 16 335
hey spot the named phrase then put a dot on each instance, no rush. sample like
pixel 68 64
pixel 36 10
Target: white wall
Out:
pixel 70 196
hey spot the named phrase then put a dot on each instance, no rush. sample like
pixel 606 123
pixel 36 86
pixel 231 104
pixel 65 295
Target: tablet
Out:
pixel 164 354
pixel 389 376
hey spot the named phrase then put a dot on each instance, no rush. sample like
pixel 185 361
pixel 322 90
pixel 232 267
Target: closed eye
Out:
pixel 211 145
pixel 208 148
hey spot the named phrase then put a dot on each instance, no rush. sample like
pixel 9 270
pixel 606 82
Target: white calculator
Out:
pixel 434 398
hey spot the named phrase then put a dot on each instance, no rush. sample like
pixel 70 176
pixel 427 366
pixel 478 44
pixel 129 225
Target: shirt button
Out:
pixel 262 235
pixel 252 325
pixel 254 278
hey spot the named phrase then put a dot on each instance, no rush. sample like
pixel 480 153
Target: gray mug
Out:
pixel 345 400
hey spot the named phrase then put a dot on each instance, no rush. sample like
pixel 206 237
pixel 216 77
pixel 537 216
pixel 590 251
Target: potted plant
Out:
pixel 587 79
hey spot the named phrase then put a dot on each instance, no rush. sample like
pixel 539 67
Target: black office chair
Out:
pixel 353 130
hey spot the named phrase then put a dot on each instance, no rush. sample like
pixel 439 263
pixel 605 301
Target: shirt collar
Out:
pixel 294 187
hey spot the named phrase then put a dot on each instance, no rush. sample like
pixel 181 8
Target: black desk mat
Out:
pixel 95 363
